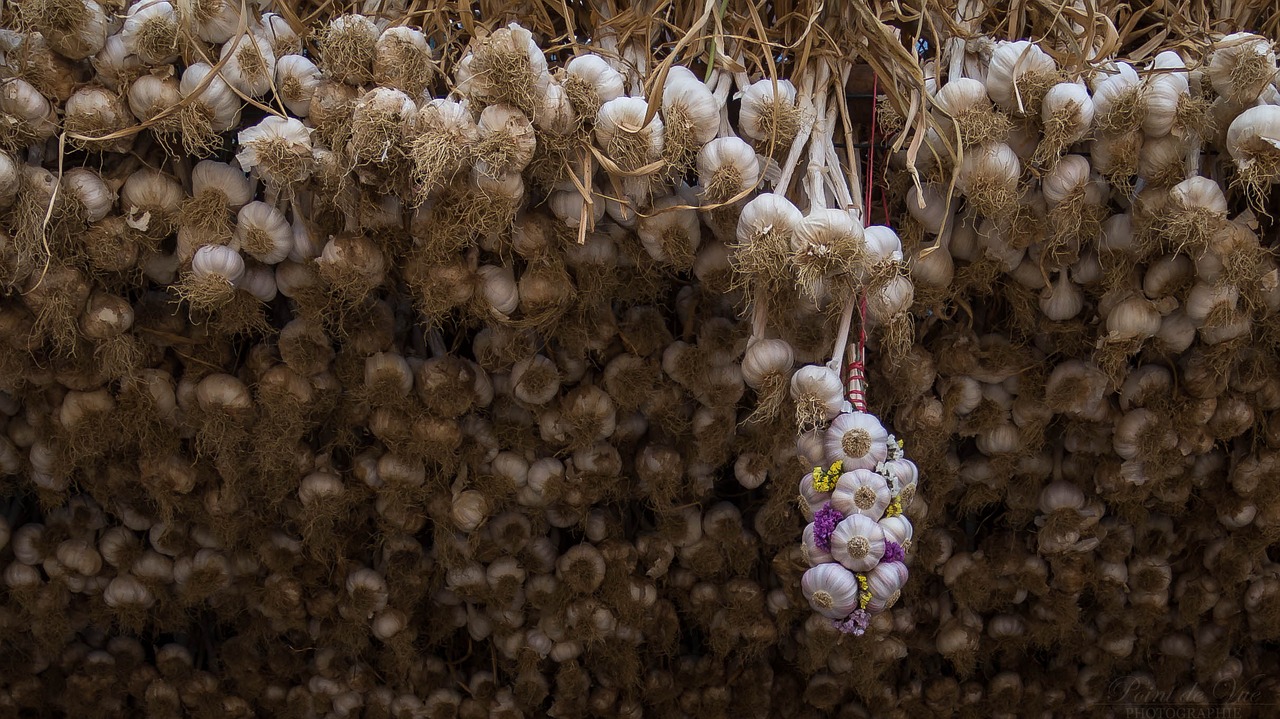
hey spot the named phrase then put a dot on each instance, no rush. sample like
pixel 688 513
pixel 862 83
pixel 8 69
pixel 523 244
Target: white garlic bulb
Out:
pixel 589 82
pixel 831 589
pixel 1067 113
pixel 262 232
pixel 506 141
pixel 1240 66
pixel 818 393
pixel 218 261
pixel 727 168
pixel 278 150
pixel 1164 90
pixel 764 358
pixel 858 440
pixel 768 113
pixel 222 104
pixel 1253 139
pixel 690 109
pixel 622 134
pixel 858 543
pixel 151 31
pixel 671 233
pixel 214 21
pixel 1018 76
pixel 249 64
pixel 861 491
pixel 1061 300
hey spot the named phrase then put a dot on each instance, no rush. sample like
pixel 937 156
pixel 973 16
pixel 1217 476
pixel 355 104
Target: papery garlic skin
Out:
pixel 296 80
pixel 249 64
pixel 861 491
pixel 589 82
pixel 219 261
pixel 672 233
pixel 151 31
pixel 858 440
pixel 858 543
pixel 625 139
pixel 818 393
pixel 831 589
pixel 1240 66
pixel 1253 139
pixel 1018 76
pixel 263 233
pixel 769 114
pixel 727 168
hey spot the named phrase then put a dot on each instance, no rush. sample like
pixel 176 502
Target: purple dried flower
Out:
pixel 893 552
pixel 855 624
pixel 824 523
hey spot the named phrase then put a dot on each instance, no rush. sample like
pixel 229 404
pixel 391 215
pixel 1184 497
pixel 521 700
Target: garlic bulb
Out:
pixel 402 59
pixel 93 112
pixel 765 233
pixel 988 177
pixel 89 194
pixel 626 140
pixel 589 82
pixel 1133 318
pixel 827 243
pixel 965 103
pixel 278 33
pixel 1067 114
pixel 767 358
pixel 769 114
pixel 505 142
pixel 296 81
pixel 690 116
pixel 818 394
pixel 151 31
pixel 213 109
pixel 1061 300
pixel 1117 100
pixel 249 64
pixel 929 206
pixel 858 543
pixel 218 267
pixel 1253 139
pixel 535 380
pixel 1240 66
pixel 1019 75
pixel 861 491
pixel 1164 91
pixel 445 133
pixel 813 555
pixel 831 589
pixel 858 440
pixel 32 116
pixel 259 281
pixel 727 168
pixel 884 582
pixel 263 233
pixel 150 95
pixel 504 67
pixel 671 233
pixel 278 150
pixel 346 48
pixel 75 29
